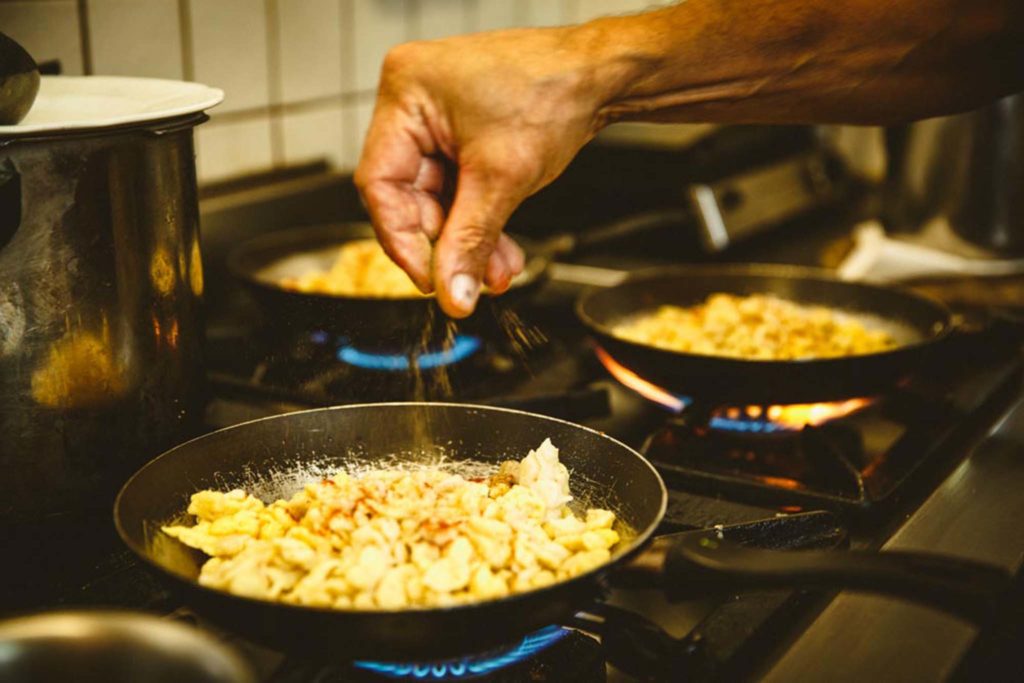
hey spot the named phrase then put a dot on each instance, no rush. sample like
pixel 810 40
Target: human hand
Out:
pixel 484 121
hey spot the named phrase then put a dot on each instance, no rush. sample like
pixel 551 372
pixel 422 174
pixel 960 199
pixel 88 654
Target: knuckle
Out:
pixel 400 57
pixel 474 238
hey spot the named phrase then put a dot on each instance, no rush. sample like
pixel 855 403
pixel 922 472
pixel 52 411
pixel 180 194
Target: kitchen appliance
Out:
pixel 100 286
pixel 931 464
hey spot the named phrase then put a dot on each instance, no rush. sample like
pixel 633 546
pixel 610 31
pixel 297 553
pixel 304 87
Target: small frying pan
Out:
pixel 274 456
pixel 262 262
pixel 917 324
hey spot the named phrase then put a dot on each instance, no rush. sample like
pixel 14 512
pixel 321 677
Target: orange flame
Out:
pixel 792 417
pixel 639 384
pixel 797 416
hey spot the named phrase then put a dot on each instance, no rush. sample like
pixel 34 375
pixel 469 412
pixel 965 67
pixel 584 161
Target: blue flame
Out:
pixel 462 347
pixel 747 426
pixel 728 424
pixel 469 667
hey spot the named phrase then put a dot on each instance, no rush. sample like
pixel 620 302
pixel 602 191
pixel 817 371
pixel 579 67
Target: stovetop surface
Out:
pixel 80 562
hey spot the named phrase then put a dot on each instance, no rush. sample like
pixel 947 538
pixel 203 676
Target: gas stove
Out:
pixel 867 472
pixel 868 461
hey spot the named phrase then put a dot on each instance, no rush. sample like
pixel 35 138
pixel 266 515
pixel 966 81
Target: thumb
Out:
pixel 468 240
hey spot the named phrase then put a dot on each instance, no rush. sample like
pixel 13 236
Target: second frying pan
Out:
pixel 918 325
pixel 262 262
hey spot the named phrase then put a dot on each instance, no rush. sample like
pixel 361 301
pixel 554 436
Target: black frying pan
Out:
pixel 261 262
pixel 917 323
pixel 271 457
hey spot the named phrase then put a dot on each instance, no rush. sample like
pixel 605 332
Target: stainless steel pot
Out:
pixel 113 647
pixel 968 168
pixel 100 289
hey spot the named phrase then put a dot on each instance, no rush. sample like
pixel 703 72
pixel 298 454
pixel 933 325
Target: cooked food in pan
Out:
pixel 392 539
pixel 361 269
pixel 757 327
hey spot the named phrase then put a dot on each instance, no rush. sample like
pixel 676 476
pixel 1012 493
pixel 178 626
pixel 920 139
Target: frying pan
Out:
pixel 918 325
pixel 260 264
pixel 273 456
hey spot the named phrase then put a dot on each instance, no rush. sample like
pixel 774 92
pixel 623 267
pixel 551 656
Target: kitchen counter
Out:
pixel 974 514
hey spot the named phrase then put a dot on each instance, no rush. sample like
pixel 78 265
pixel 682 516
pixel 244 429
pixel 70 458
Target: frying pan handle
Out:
pixel 701 563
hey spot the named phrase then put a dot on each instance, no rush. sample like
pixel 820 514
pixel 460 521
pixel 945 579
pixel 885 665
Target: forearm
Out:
pixel 806 61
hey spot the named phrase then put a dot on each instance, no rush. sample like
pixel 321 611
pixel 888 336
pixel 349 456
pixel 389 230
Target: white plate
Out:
pixel 69 103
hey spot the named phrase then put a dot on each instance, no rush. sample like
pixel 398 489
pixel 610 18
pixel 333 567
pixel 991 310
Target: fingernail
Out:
pixel 464 290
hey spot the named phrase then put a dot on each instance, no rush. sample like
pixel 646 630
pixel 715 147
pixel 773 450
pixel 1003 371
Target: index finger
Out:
pixel 390 165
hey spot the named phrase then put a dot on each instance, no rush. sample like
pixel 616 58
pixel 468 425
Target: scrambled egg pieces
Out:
pixel 759 327
pixel 361 269
pixel 392 539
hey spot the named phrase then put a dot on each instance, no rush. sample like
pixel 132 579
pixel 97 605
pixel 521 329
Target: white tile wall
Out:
pixel 582 10
pixel 311 42
pixel 48 30
pixel 314 135
pixel 545 12
pixel 133 38
pixel 378 24
pixel 359 114
pixel 492 14
pixel 441 18
pixel 229 46
pixel 230 148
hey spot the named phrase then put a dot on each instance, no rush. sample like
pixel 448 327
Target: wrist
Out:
pixel 619 54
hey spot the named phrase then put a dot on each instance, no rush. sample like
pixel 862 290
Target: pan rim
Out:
pixel 940 331
pixel 531 273
pixel 636 544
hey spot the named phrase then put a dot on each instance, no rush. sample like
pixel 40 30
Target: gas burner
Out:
pixel 827 459
pixel 784 418
pixel 861 455
pixel 471 667
pixel 461 347
pixel 753 419
pixel 552 655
